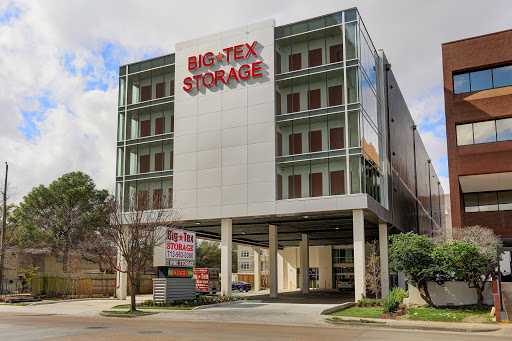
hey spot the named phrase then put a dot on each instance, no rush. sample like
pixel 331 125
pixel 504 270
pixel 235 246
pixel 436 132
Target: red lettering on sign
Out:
pixel 251 49
pixel 192 63
pixel 219 75
pixel 187 88
pixel 208 59
pixel 238 52
pixel 227 53
pixel 246 74
pixel 255 68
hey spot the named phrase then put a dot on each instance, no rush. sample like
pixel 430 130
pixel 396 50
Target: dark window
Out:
pixel 159 162
pixel 278 63
pixel 144 163
pixel 336 137
pixel 172 123
pixel 471 202
pixel 160 90
pixel 293 102
pixel 279 187
pixel 315 57
pixel 294 186
pixel 172 88
pixel 335 95
pixel 316 141
pixel 295 62
pixel 172 159
pixel 314 99
pixel 488 201
pixel 278 103
pixel 159 125
pixel 295 143
pixel 170 199
pixel 145 128
pixel 279 144
pixel 461 83
pixel 316 189
pixel 336 53
pixel 502 76
pixel 145 93
pixel 481 80
pixel 337 182
pixel 143 200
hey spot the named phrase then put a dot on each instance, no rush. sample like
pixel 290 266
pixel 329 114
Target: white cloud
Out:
pixel 445 182
pixel 33 48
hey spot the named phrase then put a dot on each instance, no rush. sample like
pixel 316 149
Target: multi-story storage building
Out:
pixel 278 137
pixel 478 97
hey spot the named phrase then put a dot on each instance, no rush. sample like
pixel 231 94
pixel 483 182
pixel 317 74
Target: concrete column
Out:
pixel 121 278
pixel 304 264
pixel 257 269
pixel 272 237
pixel 226 227
pixel 359 254
pixel 384 268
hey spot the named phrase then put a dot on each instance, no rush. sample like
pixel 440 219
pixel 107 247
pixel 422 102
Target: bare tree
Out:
pixel 139 229
pixel 373 271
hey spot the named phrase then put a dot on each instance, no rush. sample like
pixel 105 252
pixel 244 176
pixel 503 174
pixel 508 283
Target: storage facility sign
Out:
pixel 233 54
pixel 180 249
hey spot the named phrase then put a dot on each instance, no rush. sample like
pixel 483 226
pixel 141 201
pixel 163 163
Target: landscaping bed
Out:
pixel 127 306
pixel 470 314
pixel 192 303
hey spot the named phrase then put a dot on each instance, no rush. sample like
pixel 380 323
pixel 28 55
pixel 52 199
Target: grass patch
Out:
pixel 127 306
pixel 373 312
pixel 339 319
pixel 448 315
pixel 125 312
pixel 18 304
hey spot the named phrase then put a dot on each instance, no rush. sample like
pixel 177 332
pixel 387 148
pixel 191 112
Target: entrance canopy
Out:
pixel 327 228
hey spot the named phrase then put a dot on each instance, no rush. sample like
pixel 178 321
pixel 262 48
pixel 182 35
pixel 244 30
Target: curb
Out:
pixel 223 303
pixel 75 300
pixel 125 315
pixel 417 327
pixel 338 307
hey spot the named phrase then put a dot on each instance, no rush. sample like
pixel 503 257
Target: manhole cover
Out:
pixel 96 327
pixel 150 332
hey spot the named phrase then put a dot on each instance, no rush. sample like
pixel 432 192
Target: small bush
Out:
pixel 368 302
pixel 392 301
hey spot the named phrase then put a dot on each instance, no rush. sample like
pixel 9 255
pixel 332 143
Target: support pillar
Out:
pixel 384 266
pixel 257 269
pixel 304 264
pixel 359 254
pixel 121 278
pixel 272 237
pixel 226 227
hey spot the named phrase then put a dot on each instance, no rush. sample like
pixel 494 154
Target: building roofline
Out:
pixel 476 37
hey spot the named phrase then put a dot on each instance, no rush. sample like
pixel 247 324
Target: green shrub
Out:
pixel 392 301
pixel 368 302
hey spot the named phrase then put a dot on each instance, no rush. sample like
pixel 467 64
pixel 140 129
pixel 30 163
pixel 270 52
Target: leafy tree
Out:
pixel 466 262
pixel 61 216
pixel 373 271
pixel 208 255
pixel 412 254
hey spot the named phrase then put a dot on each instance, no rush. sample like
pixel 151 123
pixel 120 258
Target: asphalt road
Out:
pixel 24 326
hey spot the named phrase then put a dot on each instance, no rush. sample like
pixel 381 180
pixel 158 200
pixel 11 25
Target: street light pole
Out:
pixel 4 228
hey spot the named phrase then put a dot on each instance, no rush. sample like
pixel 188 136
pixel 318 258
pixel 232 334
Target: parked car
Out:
pixel 346 283
pixel 241 286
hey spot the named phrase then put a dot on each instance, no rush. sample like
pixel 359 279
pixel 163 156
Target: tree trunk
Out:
pixel 65 258
pixel 133 306
pixel 425 295
pixel 480 293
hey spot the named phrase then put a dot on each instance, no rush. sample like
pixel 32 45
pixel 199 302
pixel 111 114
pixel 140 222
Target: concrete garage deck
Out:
pixel 315 296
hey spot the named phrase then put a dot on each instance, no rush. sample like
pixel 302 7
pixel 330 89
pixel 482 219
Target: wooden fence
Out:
pixel 57 285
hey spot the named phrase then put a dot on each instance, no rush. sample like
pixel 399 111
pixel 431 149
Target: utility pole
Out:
pixel 4 232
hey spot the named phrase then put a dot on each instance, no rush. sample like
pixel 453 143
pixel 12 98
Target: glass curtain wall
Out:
pixel 145 143
pixel 328 129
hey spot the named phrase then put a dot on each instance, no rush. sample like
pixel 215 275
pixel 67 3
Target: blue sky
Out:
pixel 60 61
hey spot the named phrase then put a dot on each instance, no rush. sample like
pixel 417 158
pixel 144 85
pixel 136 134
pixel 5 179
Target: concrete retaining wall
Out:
pixel 456 293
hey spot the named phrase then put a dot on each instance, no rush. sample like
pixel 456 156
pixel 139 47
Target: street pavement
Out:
pixel 16 326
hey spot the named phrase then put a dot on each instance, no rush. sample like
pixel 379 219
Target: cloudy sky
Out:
pixel 59 62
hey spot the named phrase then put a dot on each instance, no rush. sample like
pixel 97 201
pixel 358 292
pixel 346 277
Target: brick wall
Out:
pixel 489 50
